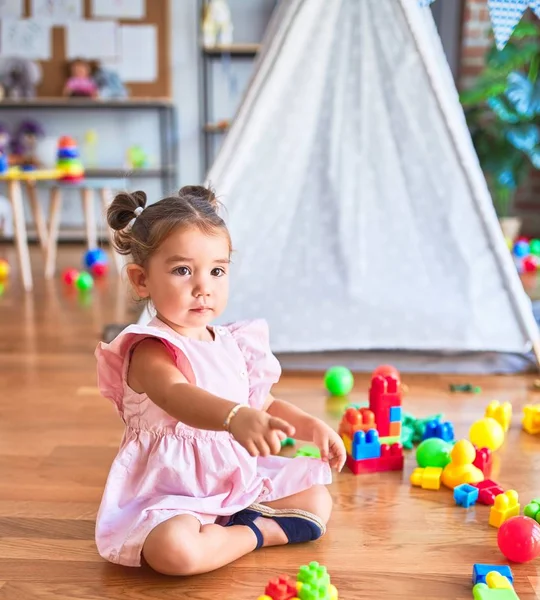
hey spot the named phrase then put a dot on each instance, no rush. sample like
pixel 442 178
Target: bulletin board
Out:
pixel 55 70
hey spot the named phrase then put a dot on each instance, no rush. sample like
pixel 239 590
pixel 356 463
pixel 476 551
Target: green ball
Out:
pixel 433 452
pixel 339 381
pixel 534 247
pixel 84 282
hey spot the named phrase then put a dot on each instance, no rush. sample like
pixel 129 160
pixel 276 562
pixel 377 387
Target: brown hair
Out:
pixel 193 206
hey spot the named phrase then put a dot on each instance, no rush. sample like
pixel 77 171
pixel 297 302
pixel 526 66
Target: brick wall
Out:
pixel 475 42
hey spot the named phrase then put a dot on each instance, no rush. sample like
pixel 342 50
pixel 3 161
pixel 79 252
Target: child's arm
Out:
pixel 152 371
pixel 310 428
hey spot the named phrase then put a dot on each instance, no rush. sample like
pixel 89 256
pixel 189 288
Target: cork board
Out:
pixel 55 71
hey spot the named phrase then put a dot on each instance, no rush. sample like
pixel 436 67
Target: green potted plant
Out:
pixel 503 114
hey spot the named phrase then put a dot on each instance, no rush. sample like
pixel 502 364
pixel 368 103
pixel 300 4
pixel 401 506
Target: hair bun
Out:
pixel 200 192
pixel 122 209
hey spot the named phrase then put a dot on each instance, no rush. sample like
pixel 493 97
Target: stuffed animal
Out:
pixel 19 77
pixel 24 143
pixel 217 26
pixel 109 84
pixel 80 82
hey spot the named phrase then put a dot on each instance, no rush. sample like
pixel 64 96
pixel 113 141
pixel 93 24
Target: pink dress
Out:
pixel 165 468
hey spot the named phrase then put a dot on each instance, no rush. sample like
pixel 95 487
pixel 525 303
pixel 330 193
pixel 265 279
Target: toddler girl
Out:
pixel 194 485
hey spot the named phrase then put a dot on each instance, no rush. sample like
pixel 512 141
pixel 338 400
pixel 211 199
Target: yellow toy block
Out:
pixel 506 506
pixel 347 442
pixel 502 413
pixel 496 581
pixel 428 478
pixel 531 418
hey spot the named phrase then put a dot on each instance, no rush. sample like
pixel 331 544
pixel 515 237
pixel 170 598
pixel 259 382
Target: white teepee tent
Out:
pixel 357 207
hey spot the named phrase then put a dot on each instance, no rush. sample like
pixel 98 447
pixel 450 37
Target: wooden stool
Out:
pixel 87 188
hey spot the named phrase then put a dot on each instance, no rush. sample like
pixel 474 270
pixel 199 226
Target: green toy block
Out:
pixel 466 387
pixel 310 451
pixel 390 440
pixel 407 435
pixel 314 577
pixel 532 510
pixel 482 592
pixel 288 442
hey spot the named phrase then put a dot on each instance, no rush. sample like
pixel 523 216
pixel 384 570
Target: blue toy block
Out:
pixel 466 495
pixel 480 571
pixel 438 429
pixel 366 445
pixel 395 414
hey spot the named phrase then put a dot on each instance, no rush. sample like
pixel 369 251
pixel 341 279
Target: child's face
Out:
pixel 80 69
pixel 187 278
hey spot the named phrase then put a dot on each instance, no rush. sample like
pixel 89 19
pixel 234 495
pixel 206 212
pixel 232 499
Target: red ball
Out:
pixel 386 371
pixel 99 269
pixel 530 264
pixel 519 539
pixel 70 275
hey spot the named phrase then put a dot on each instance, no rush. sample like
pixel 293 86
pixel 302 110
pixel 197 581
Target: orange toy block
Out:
pixel 506 506
pixel 356 419
pixel 395 429
pixel 502 413
pixel 531 418
pixel 428 478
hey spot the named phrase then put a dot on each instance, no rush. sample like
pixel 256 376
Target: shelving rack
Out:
pixel 167 172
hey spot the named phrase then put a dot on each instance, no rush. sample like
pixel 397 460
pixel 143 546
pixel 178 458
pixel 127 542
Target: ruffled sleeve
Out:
pixel 113 360
pixel 263 368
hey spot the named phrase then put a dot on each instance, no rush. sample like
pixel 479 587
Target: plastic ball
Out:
pixel 386 371
pixel 519 539
pixel 96 255
pixel 4 269
pixel 339 381
pixel 84 282
pixel 530 264
pixel 487 433
pixel 534 247
pixel 69 276
pixel 99 269
pixel 521 249
pixel 433 452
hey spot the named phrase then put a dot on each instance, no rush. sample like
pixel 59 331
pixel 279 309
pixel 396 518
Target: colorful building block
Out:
pixel 395 414
pixel 532 510
pixel 488 490
pixel 384 393
pixel 390 440
pixel 310 451
pixel 281 588
pixel 480 572
pixel 366 445
pixel 484 460
pixel 465 495
pixel 482 592
pixel 502 413
pixel 395 429
pixel 356 419
pixel 347 442
pixel 439 429
pixel 531 418
pixel 506 505
pixel 428 478
pixel 391 459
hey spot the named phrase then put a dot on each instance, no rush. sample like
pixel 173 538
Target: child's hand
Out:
pixel 258 432
pixel 330 444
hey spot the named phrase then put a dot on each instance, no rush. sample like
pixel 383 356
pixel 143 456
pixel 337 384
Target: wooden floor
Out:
pixel 386 540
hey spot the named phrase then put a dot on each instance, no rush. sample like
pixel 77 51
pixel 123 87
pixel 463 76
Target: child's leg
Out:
pixel 180 546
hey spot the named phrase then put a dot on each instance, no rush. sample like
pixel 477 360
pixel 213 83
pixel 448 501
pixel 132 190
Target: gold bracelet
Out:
pixel 234 410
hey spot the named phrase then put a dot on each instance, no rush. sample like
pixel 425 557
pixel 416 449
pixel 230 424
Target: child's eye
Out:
pixel 183 271
pixel 218 272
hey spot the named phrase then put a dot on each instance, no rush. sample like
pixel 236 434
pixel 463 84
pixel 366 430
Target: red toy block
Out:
pixel 282 588
pixel 361 419
pixel 488 490
pixel 391 460
pixel 383 394
pixel 484 460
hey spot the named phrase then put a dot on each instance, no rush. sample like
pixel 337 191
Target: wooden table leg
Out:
pixel 15 197
pixel 89 216
pixel 37 214
pixel 52 241
pixel 106 198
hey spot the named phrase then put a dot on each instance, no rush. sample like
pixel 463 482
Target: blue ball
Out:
pixel 521 249
pixel 95 256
